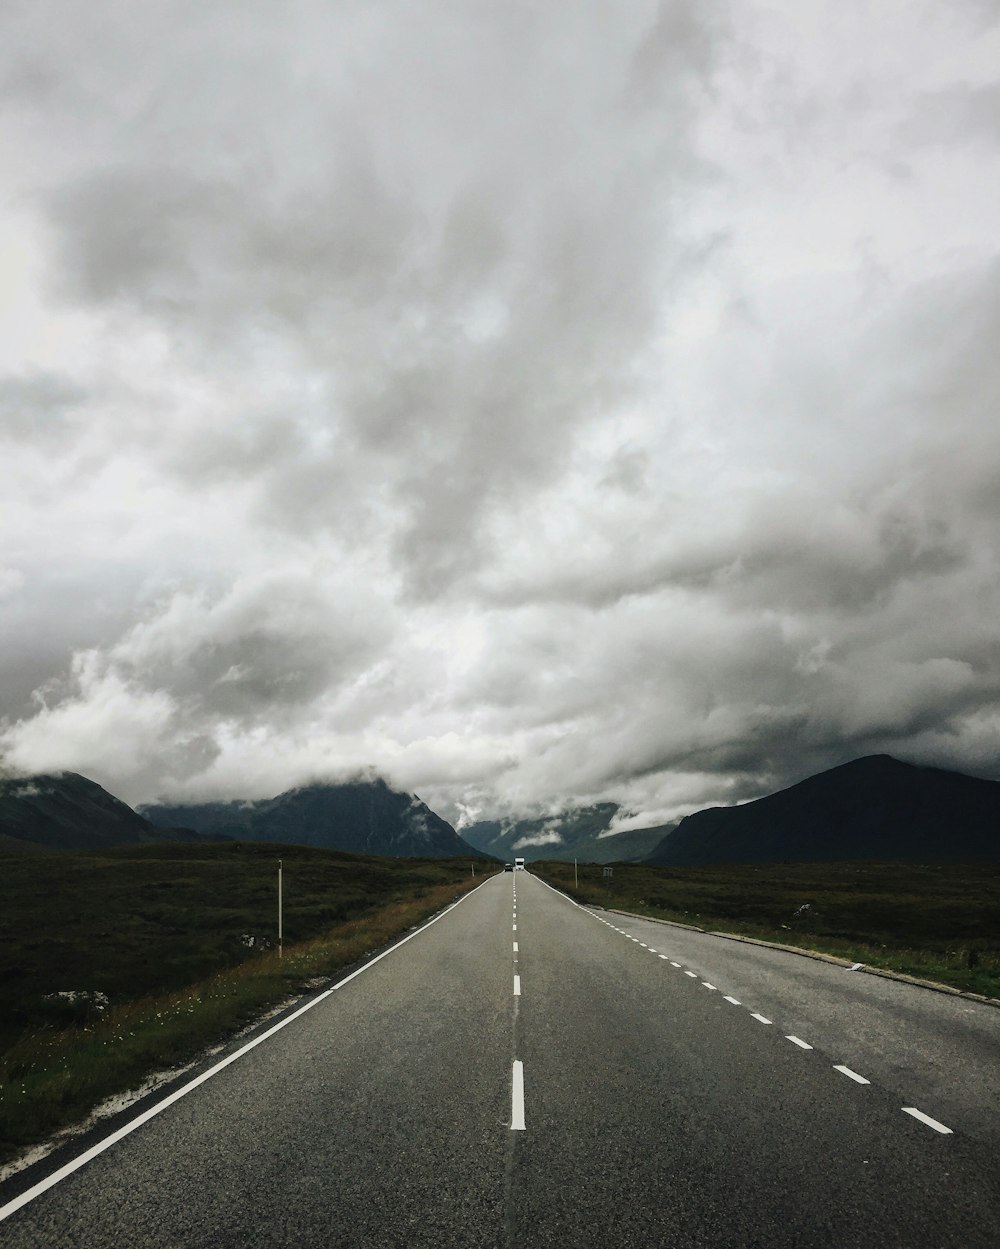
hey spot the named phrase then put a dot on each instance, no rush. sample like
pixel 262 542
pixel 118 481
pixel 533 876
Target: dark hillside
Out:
pixel 362 817
pixel 872 808
pixel 577 833
pixel 65 811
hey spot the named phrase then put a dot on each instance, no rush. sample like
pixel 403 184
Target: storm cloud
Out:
pixel 534 404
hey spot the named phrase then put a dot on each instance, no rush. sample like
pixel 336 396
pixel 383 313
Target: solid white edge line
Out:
pixel 799 1042
pixel 517 1098
pixel 851 1075
pixel 90 1154
pixel 517 986
pixel 931 1123
pixel 563 895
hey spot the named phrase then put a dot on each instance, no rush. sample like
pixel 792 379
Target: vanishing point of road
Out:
pixel 526 1072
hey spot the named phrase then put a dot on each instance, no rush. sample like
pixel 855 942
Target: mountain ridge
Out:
pixel 361 817
pixel 874 807
pixel 67 811
pixel 576 832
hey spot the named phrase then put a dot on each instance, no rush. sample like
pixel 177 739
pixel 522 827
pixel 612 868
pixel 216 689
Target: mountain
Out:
pixel 363 817
pixel 871 808
pixel 572 834
pixel 64 811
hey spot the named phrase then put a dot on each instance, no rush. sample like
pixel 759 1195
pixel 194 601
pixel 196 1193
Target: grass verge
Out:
pixel 937 921
pixel 54 1071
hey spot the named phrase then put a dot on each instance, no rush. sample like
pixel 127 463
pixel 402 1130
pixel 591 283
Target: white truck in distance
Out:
pixel 519 865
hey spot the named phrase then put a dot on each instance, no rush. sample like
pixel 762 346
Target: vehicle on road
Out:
pixel 519 865
pixel 508 867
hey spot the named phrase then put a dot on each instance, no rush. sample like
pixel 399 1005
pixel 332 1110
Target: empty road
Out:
pixel 525 1072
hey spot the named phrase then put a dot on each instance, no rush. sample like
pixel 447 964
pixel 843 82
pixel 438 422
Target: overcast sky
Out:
pixel 535 403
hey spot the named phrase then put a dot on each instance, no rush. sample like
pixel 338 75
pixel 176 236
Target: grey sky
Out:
pixel 536 403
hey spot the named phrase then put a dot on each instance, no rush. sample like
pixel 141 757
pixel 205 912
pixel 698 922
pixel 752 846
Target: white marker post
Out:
pixel 280 934
pixel 576 879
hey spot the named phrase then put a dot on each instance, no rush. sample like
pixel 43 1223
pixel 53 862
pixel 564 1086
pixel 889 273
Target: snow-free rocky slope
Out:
pixel 872 808
pixel 577 833
pixel 65 811
pixel 362 817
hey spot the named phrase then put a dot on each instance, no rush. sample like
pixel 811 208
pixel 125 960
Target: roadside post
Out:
pixel 608 872
pixel 280 917
pixel 576 879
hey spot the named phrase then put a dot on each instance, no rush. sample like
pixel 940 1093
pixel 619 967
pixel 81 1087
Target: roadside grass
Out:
pixel 937 921
pixel 69 1055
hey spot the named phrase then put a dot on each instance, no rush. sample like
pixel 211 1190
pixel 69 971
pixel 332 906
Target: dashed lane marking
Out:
pixel 517 986
pixel 931 1123
pixel 844 1070
pixel 517 1098
pixel 851 1075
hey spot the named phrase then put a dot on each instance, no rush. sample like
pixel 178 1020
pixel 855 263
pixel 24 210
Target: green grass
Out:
pixel 159 930
pixel 939 921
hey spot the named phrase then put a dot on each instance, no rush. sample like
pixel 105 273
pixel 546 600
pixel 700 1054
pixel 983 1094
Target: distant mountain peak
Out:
pixel 874 807
pixel 364 815
pixel 65 811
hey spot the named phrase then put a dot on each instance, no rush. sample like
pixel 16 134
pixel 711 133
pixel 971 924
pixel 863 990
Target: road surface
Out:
pixel 526 1072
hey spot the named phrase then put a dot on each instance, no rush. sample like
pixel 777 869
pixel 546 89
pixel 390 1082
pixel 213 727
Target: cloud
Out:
pixel 550 838
pixel 36 406
pixel 539 405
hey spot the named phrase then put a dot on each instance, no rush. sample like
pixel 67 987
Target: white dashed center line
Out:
pixel 800 1043
pixel 673 964
pixel 851 1075
pixel 517 1098
pixel 759 1018
pixel 708 986
pixel 515 947
pixel 931 1123
pixel 734 1000
pixel 517 986
pixel 692 974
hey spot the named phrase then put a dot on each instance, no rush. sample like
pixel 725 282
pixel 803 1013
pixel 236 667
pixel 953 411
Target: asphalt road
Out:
pixel 678 1090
